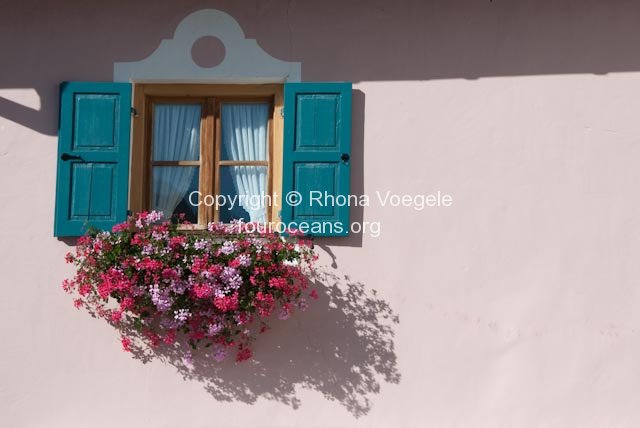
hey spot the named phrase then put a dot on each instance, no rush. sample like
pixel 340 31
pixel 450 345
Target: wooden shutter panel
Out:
pixel 93 156
pixel 317 144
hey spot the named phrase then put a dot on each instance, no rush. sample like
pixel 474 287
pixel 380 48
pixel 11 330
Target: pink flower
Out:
pixel 215 270
pixel 97 246
pixel 138 239
pixel 116 316
pixel 313 294
pixel 202 291
pixel 278 282
pixel 154 339
pixel 104 289
pixel 265 304
pixel 67 285
pixel 243 354
pixel 177 241
pixel 113 280
pixel 170 337
pixel 120 227
pixel 150 264
pixel 126 343
pixel 227 303
pixel 77 303
pixel 199 264
pixel 84 289
pixel 168 273
pixel 126 303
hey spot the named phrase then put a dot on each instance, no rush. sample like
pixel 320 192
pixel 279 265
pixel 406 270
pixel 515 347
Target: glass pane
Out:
pixel 244 131
pixel 244 189
pixel 172 187
pixel 176 132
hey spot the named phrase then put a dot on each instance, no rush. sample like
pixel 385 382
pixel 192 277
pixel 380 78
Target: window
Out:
pixel 207 152
pixel 216 140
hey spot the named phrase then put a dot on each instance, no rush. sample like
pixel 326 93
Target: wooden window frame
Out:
pixel 211 96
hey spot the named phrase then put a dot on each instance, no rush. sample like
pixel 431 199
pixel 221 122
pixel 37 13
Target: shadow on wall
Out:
pixel 375 40
pixel 341 347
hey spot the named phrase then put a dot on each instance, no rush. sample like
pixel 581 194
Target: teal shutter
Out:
pixel 317 144
pixel 93 156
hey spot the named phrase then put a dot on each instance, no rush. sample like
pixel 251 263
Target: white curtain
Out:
pixel 244 138
pixel 176 136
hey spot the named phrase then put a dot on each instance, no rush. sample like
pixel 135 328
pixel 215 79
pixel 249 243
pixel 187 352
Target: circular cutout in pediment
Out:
pixel 208 51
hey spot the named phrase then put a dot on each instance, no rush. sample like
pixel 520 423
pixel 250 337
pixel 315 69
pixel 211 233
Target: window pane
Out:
pixel 176 132
pixel 245 193
pixel 172 186
pixel 244 131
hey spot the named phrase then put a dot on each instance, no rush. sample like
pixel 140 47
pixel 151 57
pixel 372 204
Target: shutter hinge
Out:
pixel 282 112
pixel 134 112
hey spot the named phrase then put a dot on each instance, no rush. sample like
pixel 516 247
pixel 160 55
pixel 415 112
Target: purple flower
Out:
pixel 178 286
pixel 240 319
pixel 168 323
pixel 138 290
pixel 152 217
pixel 155 216
pixel 214 329
pixel 160 298
pixel 182 315
pixel 228 247
pixel 244 260
pixel 187 359
pixel 231 277
pixel 219 353
pixel 201 244
pixel 158 236
pixel 284 314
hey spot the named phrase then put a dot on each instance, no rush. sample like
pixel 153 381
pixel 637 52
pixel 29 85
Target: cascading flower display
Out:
pixel 215 288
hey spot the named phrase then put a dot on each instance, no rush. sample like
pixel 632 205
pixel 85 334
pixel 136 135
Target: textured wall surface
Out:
pixel 515 307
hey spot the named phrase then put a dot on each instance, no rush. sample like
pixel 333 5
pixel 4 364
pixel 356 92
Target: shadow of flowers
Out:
pixel 341 347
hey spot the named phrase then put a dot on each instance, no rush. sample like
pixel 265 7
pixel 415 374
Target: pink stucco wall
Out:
pixel 515 307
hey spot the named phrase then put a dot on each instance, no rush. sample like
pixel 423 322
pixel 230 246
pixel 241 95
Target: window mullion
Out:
pixel 205 159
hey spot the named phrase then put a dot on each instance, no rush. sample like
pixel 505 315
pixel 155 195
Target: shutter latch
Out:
pixel 134 112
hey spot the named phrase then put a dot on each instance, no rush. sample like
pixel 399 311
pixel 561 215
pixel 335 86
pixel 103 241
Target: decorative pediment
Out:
pixel 244 60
